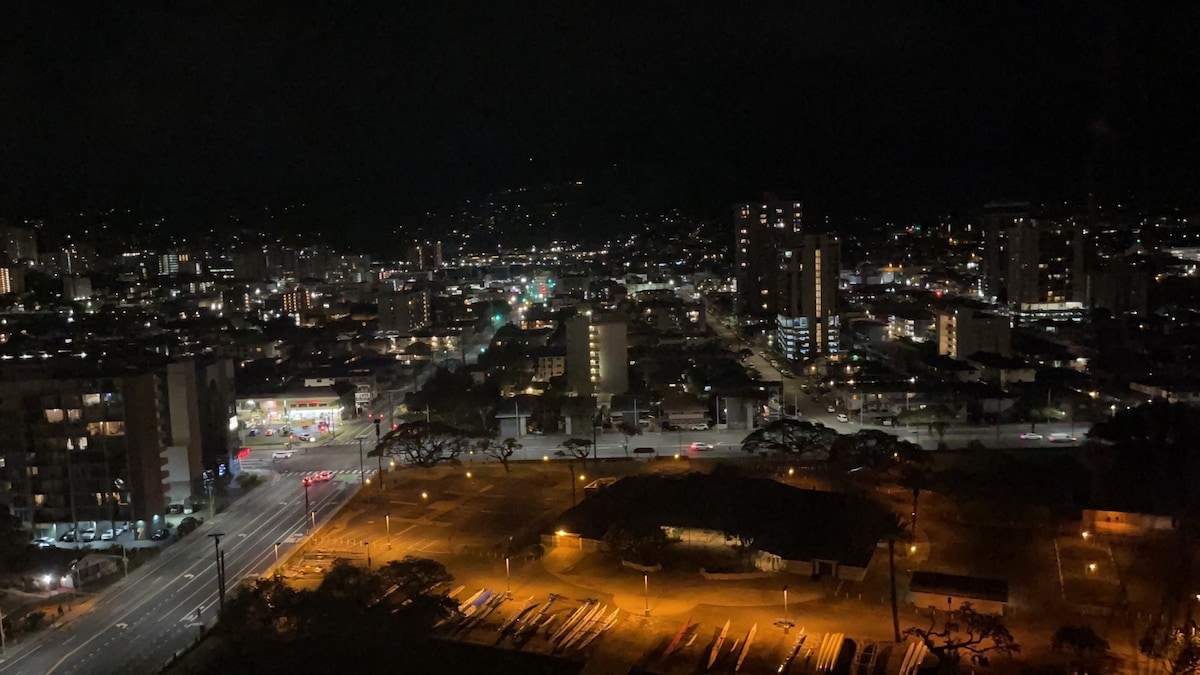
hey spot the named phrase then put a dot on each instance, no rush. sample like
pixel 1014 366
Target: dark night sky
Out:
pixel 896 107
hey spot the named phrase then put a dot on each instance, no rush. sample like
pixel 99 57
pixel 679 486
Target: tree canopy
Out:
pixel 422 444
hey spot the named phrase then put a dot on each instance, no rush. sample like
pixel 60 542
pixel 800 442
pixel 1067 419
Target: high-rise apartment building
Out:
pixel 117 444
pixel 404 311
pixel 1045 260
pixel 761 229
pixel 807 324
pixel 997 219
pixel 12 280
pixel 297 301
pixel 19 244
pixel 597 355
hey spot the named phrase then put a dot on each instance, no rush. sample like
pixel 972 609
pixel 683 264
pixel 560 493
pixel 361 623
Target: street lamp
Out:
pixel 362 472
pixel 277 554
pixel 367 545
pixel 507 578
pixel 646 581
pixel 784 623
pixel 220 557
pixel 387 519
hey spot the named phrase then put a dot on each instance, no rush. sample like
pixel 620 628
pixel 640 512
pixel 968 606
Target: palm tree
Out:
pixel 894 529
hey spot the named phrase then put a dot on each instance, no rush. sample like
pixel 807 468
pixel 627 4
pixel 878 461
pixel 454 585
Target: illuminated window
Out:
pixel 54 414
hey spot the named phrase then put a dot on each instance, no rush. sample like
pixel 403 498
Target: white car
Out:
pixel 1031 436
pixel 43 542
pixel 281 454
pixel 307 438
pixel 702 426
pixel 831 410
pixel 1062 438
pixel 107 535
pixel 89 534
pixel 842 417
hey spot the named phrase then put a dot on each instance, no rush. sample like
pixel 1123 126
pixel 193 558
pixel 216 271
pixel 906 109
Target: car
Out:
pixel 281 454
pixel 699 426
pixel 160 535
pixel 89 534
pixel 842 417
pixel 43 542
pixel 831 410
pixel 1062 438
pixel 308 438
pixel 69 535
pixel 108 535
pixel 252 432
pixel 307 481
pixel 1031 436
pixel 698 446
pixel 644 451
pixel 285 430
pixel 325 476
pixel 269 432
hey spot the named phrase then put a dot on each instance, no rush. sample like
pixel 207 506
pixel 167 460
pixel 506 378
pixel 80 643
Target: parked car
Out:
pixel 89 534
pixel 1031 436
pixel 69 535
pixel 108 535
pixel 269 432
pixel 700 426
pixel 43 542
pixel 842 417
pixel 161 534
pixel 285 430
pixel 187 525
pixel 831 410
pixel 644 451
pixel 281 454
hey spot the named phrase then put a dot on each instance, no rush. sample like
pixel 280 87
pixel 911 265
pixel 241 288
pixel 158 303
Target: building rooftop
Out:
pixel 792 523
pixel 958 585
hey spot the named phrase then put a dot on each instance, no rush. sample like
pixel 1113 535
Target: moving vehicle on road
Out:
pixel 1031 436
pixel 269 432
pixel 161 535
pixel 307 438
pixel 324 476
pixel 831 410
pixel 282 454
pixel 1062 438
pixel 698 446
pixel 842 418
pixel 43 542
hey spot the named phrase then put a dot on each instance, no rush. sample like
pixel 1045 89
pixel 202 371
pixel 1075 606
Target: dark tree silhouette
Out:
pixel 578 447
pixel 422 444
pixel 966 630
pixel 628 431
pixel 791 436
pixel 502 451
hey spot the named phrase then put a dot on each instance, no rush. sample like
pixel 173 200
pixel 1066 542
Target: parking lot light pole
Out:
pixel 507 579
pixel 646 580
pixel 784 623
pixel 387 519
pixel 367 545
pixel 277 554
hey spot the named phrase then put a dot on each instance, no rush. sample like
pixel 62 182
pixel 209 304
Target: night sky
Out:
pixel 903 108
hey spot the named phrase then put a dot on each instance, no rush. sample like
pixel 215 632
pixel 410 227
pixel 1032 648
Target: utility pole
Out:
pixel 3 639
pixel 216 537
pixel 572 466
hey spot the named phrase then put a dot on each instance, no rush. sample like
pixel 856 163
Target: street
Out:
pixel 138 623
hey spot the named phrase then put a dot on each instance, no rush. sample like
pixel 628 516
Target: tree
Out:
pixel 791 436
pixel 935 416
pixel 14 549
pixel 966 630
pixel 578 447
pixel 640 542
pixel 915 478
pixel 1088 647
pixel 414 576
pixel 422 444
pixel 876 449
pixel 501 451
pixel 628 431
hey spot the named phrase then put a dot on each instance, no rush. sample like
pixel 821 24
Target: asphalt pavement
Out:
pixel 137 624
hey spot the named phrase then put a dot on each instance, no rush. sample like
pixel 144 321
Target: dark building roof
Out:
pixel 792 523
pixel 960 586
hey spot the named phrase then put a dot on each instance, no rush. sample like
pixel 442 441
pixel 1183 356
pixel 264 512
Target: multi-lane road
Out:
pixel 136 625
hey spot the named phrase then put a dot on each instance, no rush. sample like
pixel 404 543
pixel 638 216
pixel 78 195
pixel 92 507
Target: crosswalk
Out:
pixel 342 474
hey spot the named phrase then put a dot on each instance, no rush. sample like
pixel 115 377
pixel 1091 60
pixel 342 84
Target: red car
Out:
pixel 324 476
pixel 307 481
